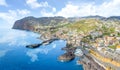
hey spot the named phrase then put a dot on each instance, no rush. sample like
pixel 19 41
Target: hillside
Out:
pixel 28 23
pixel 94 35
pixel 31 23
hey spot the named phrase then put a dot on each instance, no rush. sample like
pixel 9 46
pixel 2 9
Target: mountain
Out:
pixel 28 23
pixel 114 18
pixel 95 17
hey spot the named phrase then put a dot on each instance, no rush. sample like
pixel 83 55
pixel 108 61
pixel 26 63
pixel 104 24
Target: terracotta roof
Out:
pixel 118 47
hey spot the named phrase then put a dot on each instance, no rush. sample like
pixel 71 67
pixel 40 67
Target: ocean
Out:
pixel 15 56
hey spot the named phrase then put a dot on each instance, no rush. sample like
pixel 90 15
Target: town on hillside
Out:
pixel 95 40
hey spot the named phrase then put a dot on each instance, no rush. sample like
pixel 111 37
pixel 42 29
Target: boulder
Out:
pixel 66 57
pixel 33 46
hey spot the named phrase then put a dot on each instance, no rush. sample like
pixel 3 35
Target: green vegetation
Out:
pixel 107 31
pixel 85 40
pixel 84 25
pixel 54 30
pixel 118 34
pixel 112 46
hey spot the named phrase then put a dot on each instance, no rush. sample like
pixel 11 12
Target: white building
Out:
pixel 78 52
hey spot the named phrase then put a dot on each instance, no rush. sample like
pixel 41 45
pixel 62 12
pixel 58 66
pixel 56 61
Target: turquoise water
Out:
pixel 15 56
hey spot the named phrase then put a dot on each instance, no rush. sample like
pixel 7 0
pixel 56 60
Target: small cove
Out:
pixel 15 56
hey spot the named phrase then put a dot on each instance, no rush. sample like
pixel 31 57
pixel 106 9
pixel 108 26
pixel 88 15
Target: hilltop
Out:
pixel 95 39
pixel 30 22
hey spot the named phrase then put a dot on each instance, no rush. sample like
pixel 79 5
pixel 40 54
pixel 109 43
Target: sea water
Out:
pixel 15 56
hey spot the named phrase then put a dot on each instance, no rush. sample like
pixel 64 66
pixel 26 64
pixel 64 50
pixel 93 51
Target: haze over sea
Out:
pixel 13 53
pixel 15 56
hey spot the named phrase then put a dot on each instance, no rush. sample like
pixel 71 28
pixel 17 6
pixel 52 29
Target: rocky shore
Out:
pixel 72 45
pixel 89 64
pixel 69 53
pixel 81 36
pixel 47 42
pixel 68 56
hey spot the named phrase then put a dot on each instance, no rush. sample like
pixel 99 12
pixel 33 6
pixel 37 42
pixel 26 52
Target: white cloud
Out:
pixel 33 56
pixel 42 50
pixel 109 8
pixel 15 38
pixel 3 52
pixel 9 17
pixel 75 10
pixel 34 53
pixel 23 12
pixel 85 9
pixel 54 9
pixel 35 4
pixel 54 45
pixel 3 3
pixel 12 15
pixel 45 13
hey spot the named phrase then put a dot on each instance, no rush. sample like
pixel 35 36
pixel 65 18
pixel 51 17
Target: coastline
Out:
pixel 91 36
pixel 71 50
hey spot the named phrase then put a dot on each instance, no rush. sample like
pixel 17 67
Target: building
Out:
pixel 78 52
pixel 118 48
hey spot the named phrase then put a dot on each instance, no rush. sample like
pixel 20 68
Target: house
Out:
pixel 78 52
pixel 117 29
pixel 99 42
pixel 118 48
pixel 109 40
pixel 95 34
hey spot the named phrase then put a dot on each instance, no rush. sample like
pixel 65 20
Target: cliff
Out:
pixel 28 23
pixel 89 34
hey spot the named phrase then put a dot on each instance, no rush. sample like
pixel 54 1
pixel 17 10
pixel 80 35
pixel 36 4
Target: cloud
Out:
pixel 3 52
pixel 107 8
pixel 34 53
pixel 8 16
pixel 12 15
pixel 72 10
pixel 33 56
pixel 3 3
pixel 16 38
pixel 54 45
pixel 23 12
pixel 42 50
pixel 45 13
pixel 76 10
pixel 35 4
pixel 54 9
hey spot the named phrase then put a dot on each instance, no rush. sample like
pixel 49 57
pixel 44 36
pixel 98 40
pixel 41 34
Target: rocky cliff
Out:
pixel 86 33
pixel 28 23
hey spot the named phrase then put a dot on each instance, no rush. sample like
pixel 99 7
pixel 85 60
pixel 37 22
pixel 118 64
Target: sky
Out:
pixel 12 10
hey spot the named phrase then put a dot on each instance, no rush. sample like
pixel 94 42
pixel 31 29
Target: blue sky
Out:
pixel 11 10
